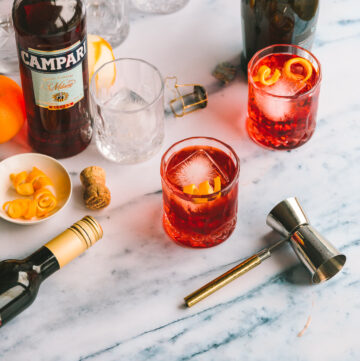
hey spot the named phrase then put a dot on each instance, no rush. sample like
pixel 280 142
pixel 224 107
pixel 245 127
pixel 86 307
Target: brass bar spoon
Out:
pixel 231 275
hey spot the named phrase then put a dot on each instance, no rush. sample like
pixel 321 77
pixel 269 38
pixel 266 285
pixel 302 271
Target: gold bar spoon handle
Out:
pixel 226 278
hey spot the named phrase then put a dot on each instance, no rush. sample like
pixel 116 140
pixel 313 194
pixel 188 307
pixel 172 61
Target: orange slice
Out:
pixel 99 53
pixel 263 76
pixel 298 77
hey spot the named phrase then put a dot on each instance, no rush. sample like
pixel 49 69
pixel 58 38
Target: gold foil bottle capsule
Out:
pixel 75 240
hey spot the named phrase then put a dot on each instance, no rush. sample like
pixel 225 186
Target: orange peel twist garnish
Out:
pixel 298 77
pixel 263 75
pixel 217 185
pixel 203 189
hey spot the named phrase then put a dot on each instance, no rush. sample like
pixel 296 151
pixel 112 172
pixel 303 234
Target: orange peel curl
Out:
pixel 43 201
pixel 263 76
pixel 298 77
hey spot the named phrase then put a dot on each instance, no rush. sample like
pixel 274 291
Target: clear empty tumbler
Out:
pixel 128 109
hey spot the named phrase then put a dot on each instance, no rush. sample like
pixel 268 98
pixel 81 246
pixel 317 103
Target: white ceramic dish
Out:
pixel 50 166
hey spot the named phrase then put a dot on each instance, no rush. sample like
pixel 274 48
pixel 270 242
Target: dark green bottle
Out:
pixel 268 22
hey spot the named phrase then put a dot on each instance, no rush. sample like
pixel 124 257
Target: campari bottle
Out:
pixel 52 50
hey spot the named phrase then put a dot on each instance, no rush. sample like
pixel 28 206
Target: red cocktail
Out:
pixel 284 84
pixel 200 186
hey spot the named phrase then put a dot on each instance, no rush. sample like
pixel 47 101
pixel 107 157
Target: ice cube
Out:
pixel 198 167
pixel 278 109
pixel 125 129
pixel 286 87
pixel 273 108
pixel 126 100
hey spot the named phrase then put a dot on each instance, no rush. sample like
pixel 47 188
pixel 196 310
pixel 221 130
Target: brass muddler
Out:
pixel 230 275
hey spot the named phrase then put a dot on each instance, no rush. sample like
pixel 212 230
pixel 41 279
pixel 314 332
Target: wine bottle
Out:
pixel 52 51
pixel 20 279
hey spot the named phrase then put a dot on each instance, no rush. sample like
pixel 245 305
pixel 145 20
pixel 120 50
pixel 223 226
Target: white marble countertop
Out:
pixel 122 299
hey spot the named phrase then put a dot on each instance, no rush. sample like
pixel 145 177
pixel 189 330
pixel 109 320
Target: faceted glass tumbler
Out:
pixel 159 6
pixel 199 221
pixel 108 19
pixel 277 121
pixel 127 101
pixel 8 53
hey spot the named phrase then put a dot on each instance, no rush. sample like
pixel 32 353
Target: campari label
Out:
pixel 56 75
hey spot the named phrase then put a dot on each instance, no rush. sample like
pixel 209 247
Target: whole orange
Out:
pixel 12 108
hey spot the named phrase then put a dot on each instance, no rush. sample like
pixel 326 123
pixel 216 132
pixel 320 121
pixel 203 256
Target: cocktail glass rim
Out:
pixel 190 196
pixel 156 98
pixel 261 90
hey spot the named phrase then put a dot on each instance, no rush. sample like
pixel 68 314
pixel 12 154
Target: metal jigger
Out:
pixel 320 257
pixel 288 218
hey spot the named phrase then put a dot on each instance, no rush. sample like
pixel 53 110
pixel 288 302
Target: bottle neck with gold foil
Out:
pixel 20 279
pixel 75 240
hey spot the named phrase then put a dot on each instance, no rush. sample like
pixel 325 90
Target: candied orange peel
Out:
pixel 46 202
pixel 33 184
pixel 26 184
pixel 203 189
pixel 21 208
pixel 19 182
pixel 298 77
pixel 263 75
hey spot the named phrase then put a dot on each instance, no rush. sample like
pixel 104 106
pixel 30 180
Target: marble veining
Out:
pixel 122 299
